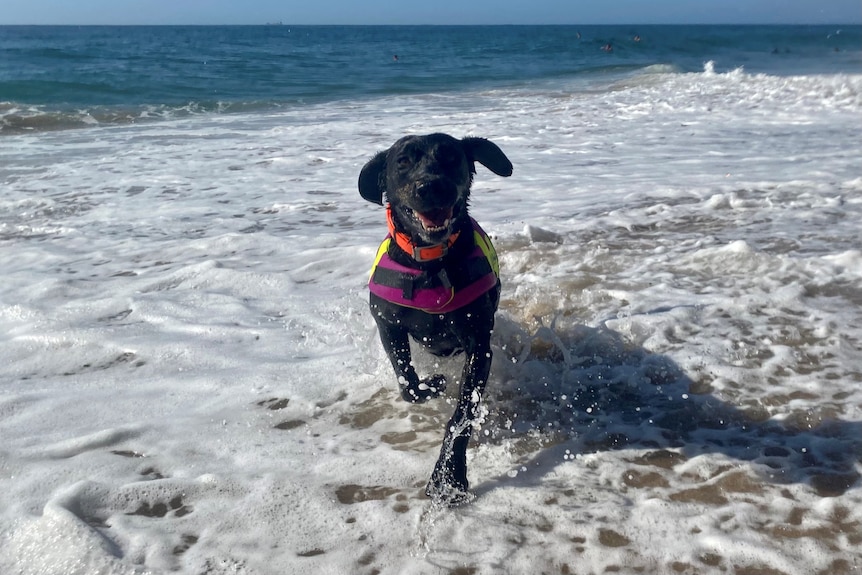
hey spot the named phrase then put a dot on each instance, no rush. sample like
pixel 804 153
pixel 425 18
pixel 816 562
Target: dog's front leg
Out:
pixel 396 344
pixel 448 482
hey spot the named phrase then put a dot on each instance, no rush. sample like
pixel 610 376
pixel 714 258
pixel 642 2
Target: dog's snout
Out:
pixel 425 189
pixel 438 191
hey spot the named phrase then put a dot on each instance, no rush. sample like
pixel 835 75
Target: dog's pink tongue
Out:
pixel 435 218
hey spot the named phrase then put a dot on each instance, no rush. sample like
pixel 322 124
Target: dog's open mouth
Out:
pixel 434 221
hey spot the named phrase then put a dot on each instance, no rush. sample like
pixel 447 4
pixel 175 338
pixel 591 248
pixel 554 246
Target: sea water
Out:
pixel 190 379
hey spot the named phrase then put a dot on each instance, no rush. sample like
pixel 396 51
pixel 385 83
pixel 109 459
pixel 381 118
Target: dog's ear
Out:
pixel 488 154
pixel 371 179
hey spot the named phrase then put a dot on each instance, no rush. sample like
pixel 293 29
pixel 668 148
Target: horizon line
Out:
pixel 283 24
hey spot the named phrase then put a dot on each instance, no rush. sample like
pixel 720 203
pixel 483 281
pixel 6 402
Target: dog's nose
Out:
pixel 438 191
pixel 425 189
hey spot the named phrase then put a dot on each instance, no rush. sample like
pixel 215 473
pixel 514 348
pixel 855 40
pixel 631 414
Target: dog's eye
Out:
pixel 403 161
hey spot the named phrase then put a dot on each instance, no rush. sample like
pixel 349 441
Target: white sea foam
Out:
pixel 190 380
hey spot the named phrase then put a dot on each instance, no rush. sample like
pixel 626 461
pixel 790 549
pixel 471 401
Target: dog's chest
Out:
pixel 436 289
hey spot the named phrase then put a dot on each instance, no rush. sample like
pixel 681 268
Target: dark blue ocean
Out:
pixel 67 77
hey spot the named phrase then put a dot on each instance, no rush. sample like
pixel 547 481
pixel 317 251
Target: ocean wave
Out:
pixel 648 87
pixel 753 94
pixel 17 118
pixel 661 69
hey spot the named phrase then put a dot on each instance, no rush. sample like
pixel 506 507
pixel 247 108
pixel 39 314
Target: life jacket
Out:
pixel 436 292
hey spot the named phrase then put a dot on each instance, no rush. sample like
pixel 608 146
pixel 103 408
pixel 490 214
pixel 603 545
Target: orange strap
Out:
pixel 418 253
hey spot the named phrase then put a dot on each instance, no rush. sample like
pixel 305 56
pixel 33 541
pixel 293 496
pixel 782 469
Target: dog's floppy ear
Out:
pixel 371 179
pixel 488 154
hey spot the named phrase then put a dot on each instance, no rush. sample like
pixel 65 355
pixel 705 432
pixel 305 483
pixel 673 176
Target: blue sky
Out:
pixel 431 12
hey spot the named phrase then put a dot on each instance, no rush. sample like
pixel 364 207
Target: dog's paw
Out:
pixel 447 494
pixel 427 388
pixel 448 485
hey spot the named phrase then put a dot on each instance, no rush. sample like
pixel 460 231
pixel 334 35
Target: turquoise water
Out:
pixel 66 77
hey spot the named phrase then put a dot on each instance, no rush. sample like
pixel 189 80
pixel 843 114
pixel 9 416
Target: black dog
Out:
pixel 435 279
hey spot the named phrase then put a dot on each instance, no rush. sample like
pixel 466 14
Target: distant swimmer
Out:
pixel 637 38
pixel 394 57
pixel 608 47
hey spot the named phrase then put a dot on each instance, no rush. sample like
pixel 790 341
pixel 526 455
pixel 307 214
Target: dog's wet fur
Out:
pixel 426 181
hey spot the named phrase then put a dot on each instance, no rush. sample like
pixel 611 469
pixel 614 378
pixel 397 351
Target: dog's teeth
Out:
pixel 439 228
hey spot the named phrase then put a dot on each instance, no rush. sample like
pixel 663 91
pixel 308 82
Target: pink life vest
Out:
pixel 435 293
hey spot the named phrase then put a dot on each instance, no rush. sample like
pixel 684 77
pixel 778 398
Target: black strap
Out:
pixel 407 283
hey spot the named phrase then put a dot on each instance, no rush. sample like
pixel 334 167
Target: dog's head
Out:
pixel 426 180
